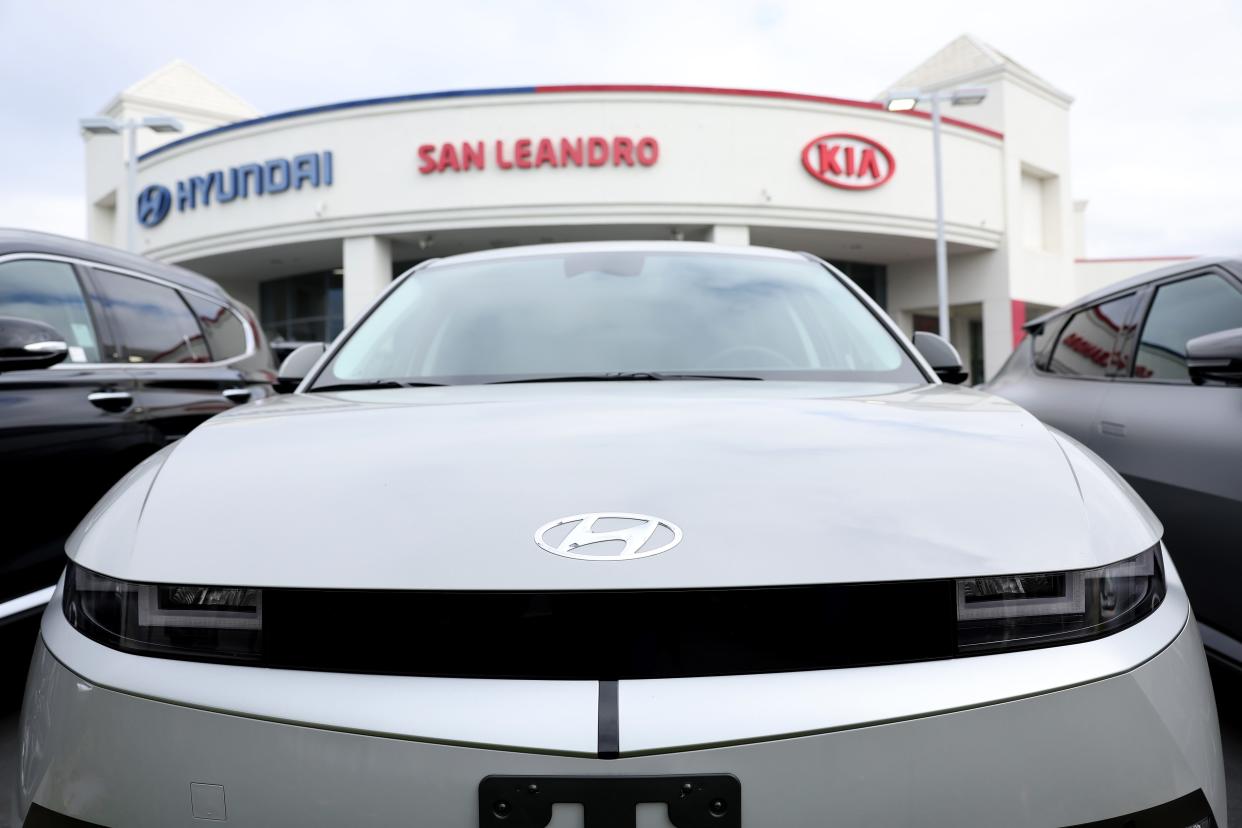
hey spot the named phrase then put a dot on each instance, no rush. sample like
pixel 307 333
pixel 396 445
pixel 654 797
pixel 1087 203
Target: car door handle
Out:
pixel 1112 429
pixel 111 400
pixel 237 396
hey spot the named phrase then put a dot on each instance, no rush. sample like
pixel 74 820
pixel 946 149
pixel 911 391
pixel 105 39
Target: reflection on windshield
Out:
pixel 629 312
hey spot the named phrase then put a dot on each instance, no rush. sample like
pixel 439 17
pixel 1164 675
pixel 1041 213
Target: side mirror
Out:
pixel 297 365
pixel 26 345
pixel 1215 356
pixel 941 356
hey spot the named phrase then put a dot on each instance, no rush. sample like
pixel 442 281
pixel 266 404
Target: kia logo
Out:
pixel 635 533
pixel 848 161
pixel 153 205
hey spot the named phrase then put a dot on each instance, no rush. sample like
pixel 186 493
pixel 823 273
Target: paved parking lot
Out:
pixel 1228 698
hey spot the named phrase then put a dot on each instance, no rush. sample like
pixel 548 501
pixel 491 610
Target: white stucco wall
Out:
pixel 1093 274
pixel 727 160
pixel 1037 147
pixel 730 167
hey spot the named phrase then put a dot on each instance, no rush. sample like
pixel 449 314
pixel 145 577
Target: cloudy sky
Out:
pixel 1157 121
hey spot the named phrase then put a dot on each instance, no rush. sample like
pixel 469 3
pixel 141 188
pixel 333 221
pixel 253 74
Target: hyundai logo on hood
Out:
pixel 608 536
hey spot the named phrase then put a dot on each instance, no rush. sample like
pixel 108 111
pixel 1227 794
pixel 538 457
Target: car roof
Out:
pixel 1231 263
pixel 13 240
pixel 531 250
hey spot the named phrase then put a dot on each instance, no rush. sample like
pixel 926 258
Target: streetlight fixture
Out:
pixel 904 101
pixel 103 125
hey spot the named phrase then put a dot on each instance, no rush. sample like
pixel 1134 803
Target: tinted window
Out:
pixel 633 311
pixel 152 321
pixel 306 308
pixel 1180 312
pixel 226 336
pixel 1088 344
pixel 48 292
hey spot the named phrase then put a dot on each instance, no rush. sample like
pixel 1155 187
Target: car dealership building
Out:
pixel 307 215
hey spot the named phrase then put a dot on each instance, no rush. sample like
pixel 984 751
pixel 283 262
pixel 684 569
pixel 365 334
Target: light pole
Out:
pixel 103 125
pixel 904 101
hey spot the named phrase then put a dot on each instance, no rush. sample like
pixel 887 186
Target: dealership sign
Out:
pixel 848 161
pixel 271 177
pixel 532 153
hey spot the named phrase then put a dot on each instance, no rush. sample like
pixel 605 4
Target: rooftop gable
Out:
pixel 179 86
pixel 967 59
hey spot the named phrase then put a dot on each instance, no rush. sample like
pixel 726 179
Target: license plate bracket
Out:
pixel 711 800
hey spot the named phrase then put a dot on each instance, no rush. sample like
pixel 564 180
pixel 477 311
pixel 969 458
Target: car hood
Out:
pixel 771 483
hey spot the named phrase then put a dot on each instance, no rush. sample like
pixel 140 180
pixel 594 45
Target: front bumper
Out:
pixel 118 748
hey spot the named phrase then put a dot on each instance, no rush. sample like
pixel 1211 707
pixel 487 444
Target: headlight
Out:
pixel 1024 611
pixel 685 632
pixel 174 621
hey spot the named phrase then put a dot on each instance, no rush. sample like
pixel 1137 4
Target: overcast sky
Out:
pixel 1156 124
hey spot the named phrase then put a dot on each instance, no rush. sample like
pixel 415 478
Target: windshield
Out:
pixel 614 314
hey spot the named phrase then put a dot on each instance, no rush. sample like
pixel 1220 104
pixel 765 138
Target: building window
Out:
pixel 305 308
pixel 872 278
pixel 1033 209
pixel 1039 211
pixel 926 323
pixel 975 330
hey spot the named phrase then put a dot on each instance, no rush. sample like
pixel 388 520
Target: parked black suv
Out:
pixel 1148 373
pixel 149 352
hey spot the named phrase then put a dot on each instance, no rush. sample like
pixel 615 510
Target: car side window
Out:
pixel 1089 342
pixel 1043 339
pixel 226 335
pixel 1180 312
pixel 153 321
pixel 49 292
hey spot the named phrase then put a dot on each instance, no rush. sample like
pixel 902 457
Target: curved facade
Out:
pixel 579 157
pixel 307 215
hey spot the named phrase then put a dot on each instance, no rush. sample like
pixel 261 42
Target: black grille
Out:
pixel 608 635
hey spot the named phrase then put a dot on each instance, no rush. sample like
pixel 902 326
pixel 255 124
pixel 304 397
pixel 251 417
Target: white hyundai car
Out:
pixel 616 535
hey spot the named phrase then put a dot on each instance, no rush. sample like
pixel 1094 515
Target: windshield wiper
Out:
pixel 371 385
pixel 627 376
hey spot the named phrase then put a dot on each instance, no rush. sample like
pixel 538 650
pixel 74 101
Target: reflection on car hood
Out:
pixel 771 483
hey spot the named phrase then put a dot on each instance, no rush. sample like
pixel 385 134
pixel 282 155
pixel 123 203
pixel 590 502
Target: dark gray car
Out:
pixel 1147 373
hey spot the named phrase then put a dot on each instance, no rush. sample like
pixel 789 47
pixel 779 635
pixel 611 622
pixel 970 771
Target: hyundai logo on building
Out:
pixel 634 532
pixel 848 161
pixel 154 202
pixel 275 176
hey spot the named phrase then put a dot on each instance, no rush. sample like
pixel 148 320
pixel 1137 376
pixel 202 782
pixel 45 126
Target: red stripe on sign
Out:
pixel 758 93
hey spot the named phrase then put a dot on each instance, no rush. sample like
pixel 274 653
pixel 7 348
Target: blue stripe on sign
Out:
pixel 313 110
